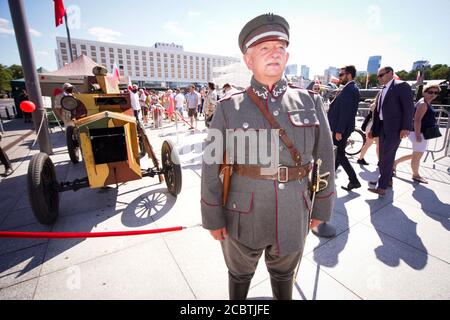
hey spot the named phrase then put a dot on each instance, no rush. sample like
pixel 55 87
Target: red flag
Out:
pixel 396 77
pixel 333 79
pixel 116 73
pixel 60 11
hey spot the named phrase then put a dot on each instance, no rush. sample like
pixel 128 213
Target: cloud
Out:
pixel 43 53
pixel 5 28
pixel 104 34
pixel 193 13
pixel 35 33
pixel 175 29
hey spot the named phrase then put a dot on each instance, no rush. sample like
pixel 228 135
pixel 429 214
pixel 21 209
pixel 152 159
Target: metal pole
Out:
pixel 31 78
pixel 68 36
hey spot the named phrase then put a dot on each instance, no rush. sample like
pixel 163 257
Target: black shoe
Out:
pixel 8 171
pixel 352 185
pixel 362 161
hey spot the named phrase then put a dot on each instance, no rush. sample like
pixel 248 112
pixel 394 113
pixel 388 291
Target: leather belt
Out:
pixel 283 174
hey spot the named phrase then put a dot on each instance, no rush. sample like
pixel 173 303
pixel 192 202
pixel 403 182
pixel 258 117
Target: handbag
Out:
pixel 432 133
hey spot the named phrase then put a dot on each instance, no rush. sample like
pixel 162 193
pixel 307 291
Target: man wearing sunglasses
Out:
pixel 392 122
pixel 341 117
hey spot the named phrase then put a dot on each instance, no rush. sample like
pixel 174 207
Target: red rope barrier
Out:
pixel 68 235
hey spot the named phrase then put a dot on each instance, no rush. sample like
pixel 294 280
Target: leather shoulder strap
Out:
pixel 275 125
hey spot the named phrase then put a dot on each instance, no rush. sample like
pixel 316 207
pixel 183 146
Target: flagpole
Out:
pixel 68 37
pixel 32 84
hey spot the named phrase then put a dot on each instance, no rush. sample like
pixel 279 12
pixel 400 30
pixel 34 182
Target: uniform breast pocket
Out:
pixel 304 124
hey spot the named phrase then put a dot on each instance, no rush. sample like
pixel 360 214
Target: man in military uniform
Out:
pixel 267 210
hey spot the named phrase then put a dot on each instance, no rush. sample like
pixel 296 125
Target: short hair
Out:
pixel 388 69
pixel 192 86
pixel 430 86
pixel 226 85
pixel 350 69
pixel 211 85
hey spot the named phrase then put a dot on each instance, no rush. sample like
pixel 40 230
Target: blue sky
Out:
pixel 323 33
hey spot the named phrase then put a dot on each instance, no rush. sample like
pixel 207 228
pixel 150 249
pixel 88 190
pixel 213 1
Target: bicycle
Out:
pixel 355 142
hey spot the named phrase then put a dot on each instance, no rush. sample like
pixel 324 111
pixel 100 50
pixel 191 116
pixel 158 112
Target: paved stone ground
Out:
pixel 394 247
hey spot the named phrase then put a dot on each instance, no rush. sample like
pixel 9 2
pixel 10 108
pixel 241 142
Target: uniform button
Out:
pixel 276 113
pixel 306 121
pixel 237 107
pixel 234 205
pixel 281 186
pixel 245 125
pixel 281 148
pixel 273 100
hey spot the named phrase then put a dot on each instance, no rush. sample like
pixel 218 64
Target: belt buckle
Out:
pixel 280 168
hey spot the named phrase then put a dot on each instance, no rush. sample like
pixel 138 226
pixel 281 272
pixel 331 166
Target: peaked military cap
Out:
pixel 265 27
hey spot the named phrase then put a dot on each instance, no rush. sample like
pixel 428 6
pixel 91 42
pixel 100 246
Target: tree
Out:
pixel 16 71
pixel 403 75
pixel 5 78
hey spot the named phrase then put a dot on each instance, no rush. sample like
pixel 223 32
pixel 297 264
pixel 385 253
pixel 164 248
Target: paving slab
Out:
pixel 21 265
pixel 377 266
pixel 201 259
pixel 62 253
pixel 433 197
pixel 424 231
pixel 312 284
pixel 21 291
pixel 141 272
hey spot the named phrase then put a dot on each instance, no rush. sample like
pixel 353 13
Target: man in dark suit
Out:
pixel 393 119
pixel 341 116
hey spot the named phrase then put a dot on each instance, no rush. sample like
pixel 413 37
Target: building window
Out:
pixel 83 47
pixel 62 45
pixel 102 49
pixel 136 52
pixel 128 51
pixel 119 51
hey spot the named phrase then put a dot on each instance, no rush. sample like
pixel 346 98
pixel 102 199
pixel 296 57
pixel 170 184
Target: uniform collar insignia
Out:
pixel 263 92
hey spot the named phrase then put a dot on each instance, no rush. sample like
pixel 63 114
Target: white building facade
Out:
pixel 163 65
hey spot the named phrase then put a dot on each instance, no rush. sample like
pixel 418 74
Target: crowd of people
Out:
pixel 151 106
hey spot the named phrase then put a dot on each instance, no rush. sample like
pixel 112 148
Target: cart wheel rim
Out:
pixel 48 182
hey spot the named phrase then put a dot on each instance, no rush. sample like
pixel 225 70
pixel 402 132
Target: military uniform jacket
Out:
pixel 260 212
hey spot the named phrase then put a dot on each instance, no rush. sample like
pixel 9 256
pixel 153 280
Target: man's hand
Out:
pixel 219 234
pixel 314 223
pixel 338 136
pixel 404 134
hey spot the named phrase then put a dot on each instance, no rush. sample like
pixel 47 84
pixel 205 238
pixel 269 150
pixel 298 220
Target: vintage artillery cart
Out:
pixel 112 142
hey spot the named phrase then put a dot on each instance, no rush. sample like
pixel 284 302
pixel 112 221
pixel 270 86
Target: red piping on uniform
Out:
pixel 324 197
pixel 209 204
pixel 276 216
